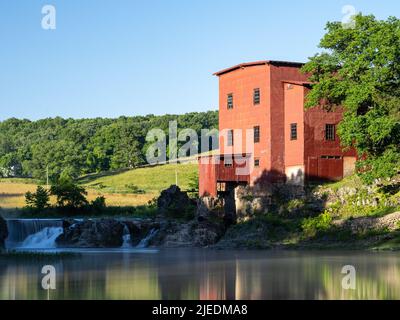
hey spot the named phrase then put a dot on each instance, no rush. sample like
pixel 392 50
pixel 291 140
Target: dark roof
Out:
pixel 258 63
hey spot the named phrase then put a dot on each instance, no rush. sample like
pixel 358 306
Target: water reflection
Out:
pixel 205 274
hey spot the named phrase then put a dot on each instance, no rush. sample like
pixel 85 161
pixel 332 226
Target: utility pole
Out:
pixel 47 176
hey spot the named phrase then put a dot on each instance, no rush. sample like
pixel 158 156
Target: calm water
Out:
pixel 205 274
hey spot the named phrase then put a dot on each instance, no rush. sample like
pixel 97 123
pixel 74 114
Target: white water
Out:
pixel 33 233
pixel 42 234
pixel 145 241
pixel 45 238
pixel 126 238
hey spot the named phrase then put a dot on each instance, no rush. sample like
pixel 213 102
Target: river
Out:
pixel 153 273
pixel 204 274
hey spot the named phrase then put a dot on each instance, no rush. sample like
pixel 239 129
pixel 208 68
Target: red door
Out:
pixel 325 168
pixel 312 173
pixel 330 168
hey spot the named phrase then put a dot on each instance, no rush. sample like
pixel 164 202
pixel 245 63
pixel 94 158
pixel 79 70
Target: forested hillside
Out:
pixel 80 146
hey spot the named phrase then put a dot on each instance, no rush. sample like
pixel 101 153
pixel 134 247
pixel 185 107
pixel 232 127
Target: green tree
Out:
pixel 98 204
pixel 81 146
pixel 69 194
pixel 38 200
pixel 360 71
pixel 128 140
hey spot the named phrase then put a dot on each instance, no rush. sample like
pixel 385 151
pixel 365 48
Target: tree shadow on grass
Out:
pixel 94 176
pixel 11 195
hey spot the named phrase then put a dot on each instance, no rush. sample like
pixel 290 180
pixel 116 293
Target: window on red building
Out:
pixel 256 96
pixel 256 162
pixel 330 132
pixel 230 101
pixel 293 131
pixel 221 186
pixel 256 130
pixel 230 138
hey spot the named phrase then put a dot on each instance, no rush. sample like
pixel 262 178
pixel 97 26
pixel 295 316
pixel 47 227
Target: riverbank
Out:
pixel 273 232
pixel 262 233
pixel 342 215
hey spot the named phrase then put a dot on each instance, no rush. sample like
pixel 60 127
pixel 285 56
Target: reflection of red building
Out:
pixel 266 98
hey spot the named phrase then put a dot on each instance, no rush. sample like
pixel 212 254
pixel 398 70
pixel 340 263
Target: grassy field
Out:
pixel 128 188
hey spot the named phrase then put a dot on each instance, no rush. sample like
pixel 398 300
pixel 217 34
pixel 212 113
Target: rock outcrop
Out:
pixel 168 229
pixel 253 234
pixel 208 208
pixel 250 201
pixel 100 233
pixel 173 202
pixel 104 233
pixel 3 232
pixel 390 222
pixel 190 234
pixel 139 229
pixel 381 193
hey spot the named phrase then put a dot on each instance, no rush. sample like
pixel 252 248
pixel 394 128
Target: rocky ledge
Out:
pixel 176 225
pixel 103 233
pixel 390 222
pixel 91 233
pixel 109 233
pixel 188 234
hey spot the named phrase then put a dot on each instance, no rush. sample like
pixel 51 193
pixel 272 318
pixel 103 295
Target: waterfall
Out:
pixel 33 233
pixel 45 238
pixel 126 238
pixel 42 234
pixel 145 241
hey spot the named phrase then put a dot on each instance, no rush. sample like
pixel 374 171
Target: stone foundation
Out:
pixel 244 202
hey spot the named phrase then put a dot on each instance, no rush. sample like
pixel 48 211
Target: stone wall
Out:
pixel 244 202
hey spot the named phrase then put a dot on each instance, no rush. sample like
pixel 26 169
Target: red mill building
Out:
pixel 266 98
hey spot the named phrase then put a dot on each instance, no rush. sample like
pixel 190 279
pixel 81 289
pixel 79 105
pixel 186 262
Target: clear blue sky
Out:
pixel 112 58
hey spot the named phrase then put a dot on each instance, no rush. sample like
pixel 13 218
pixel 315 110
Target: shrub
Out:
pixel 335 208
pixel 384 166
pixel 295 204
pixel 69 194
pixel 99 185
pixel 177 212
pixel 152 203
pixel 98 203
pixel 134 189
pixel 193 186
pixel 312 226
pixel 38 200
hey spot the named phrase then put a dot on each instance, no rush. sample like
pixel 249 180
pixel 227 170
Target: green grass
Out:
pixel 352 181
pixel 151 180
pixel 125 188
